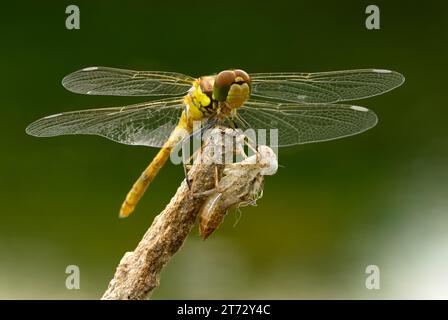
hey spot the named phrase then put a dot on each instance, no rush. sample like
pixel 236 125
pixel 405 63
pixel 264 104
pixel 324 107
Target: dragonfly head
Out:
pixel 232 87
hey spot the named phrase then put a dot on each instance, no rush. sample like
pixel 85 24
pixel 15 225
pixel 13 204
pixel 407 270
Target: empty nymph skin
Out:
pixel 241 184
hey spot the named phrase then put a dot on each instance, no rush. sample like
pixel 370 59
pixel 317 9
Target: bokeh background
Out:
pixel 379 198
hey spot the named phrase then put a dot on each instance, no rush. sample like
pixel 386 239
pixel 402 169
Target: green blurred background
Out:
pixel 332 209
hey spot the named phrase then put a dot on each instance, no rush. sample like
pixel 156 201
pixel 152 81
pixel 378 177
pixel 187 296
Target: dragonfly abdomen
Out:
pixel 138 189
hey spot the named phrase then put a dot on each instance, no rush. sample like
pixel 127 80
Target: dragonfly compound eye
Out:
pixel 222 84
pixel 242 76
pixel 224 81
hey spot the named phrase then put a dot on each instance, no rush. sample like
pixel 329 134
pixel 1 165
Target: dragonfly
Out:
pixel 303 107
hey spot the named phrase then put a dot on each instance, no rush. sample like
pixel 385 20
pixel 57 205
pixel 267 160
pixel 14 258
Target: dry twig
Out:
pixel 139 271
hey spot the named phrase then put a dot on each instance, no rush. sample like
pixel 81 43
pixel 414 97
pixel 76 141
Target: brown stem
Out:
pixel 139 271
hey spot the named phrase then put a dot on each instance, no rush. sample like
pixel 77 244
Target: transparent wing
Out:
pixel 120 82
pixel 305 123
pixel 146 124
pixel 324 87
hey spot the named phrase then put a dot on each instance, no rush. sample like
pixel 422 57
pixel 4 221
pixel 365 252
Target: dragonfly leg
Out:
pixel 217 179
pixel 216 189
pixel 239 149
pixel 254 150
pixel 187 166
pixel 186 175
pixel 205 193
pixel 212 121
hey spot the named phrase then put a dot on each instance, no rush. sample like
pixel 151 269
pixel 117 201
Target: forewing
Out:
pixel 120 82
pixel 305 123
pixel 324 87
pixel 146 124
